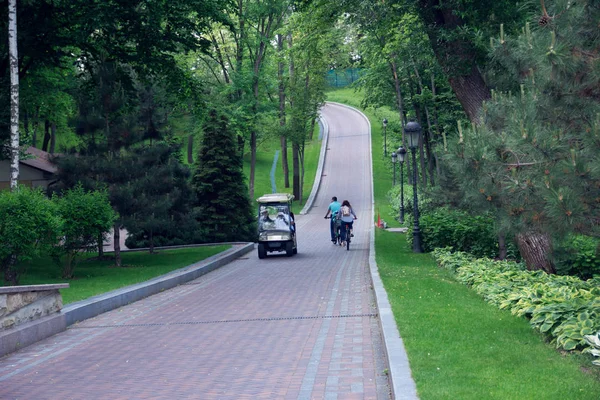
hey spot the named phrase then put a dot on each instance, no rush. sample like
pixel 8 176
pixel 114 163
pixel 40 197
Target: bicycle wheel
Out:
pixel 348 237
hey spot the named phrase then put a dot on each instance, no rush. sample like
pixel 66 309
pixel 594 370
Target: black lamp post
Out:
pixel 394 163
pixel 385 137
pixel 401 153
pixel 412 130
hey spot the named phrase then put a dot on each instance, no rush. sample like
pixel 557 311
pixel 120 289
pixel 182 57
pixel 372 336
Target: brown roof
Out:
pixel 39 160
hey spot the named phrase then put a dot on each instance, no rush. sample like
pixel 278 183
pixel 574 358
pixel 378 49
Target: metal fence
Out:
pixel 343 77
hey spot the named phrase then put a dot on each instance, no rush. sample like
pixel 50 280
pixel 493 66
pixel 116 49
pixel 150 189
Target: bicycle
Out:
pixel 338 235
pixel 348 235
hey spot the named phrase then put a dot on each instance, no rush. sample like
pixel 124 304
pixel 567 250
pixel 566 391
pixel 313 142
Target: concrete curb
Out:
pixel 29 333
pixel 96 305
pixel 402 384
pixel 322 154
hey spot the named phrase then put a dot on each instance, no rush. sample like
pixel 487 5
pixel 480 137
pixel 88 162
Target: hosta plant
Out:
pixel 594 342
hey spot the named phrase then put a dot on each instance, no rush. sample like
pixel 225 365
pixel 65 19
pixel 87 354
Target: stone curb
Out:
pixel 96 305
pixel 31 332
pixel 319 173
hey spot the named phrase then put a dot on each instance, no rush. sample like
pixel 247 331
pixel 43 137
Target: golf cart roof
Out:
pixel 276 198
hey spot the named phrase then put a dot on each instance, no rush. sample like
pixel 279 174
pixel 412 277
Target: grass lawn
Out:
pixel 264 162
pixel 459 346
pixel 93 277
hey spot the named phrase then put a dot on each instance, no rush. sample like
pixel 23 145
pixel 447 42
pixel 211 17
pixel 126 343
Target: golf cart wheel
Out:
pixel 289 249
pixel 262 253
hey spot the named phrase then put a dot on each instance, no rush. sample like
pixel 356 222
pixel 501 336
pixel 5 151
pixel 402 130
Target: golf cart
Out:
pixel 276 227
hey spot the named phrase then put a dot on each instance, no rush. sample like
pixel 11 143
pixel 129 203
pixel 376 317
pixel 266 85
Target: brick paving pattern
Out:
pixel 301 327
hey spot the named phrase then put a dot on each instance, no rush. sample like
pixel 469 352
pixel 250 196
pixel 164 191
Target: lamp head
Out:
pixel 412 130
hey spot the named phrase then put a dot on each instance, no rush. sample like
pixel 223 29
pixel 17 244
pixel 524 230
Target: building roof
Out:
pixel 39 159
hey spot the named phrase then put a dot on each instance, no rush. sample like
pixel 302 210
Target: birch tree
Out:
pixel 14 93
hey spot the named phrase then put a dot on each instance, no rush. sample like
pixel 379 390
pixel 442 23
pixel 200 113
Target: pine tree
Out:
pixel 535 158
pixel 223 206
pixel 161 190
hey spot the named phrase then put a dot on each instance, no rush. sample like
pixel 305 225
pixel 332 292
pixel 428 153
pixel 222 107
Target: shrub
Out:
pixel 28 225
pixel 86 216
pixel 459 230
pixel 579 256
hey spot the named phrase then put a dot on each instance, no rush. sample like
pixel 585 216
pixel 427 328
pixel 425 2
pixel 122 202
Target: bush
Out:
pixel 459 230
pixel 579 256
pixel 29 225
pixel 86 216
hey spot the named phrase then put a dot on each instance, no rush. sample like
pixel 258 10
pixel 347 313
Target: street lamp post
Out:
pixel 385 121
pixel 401 153
pixel 412 130
pixel 394 163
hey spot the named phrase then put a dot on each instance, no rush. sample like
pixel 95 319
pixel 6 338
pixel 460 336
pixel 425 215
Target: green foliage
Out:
pixel 459 230
pixel 564 308
pixel 29 224
pixel 222 203
pixel 86 217
pixel 533 159
pixel 579 256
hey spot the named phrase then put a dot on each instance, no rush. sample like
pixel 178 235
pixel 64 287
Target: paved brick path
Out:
pixel 304 327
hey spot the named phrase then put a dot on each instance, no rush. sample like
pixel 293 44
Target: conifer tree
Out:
pixel 534 160
pixel 223 206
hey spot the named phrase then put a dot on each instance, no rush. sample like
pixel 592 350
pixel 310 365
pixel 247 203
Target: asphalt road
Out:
pixel 301 327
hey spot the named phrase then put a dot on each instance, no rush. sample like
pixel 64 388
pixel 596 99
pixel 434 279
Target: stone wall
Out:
pixel 21 304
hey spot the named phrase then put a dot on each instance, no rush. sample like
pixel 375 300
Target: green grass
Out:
pixel 459 346
pixel 93 277
pixel 264 162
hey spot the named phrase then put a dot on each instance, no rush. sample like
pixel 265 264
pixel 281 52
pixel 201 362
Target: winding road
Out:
pixel 301 327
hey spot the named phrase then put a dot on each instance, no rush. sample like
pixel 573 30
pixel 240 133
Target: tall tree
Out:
pixel 222 202
pixel 533 159
pixel 14 93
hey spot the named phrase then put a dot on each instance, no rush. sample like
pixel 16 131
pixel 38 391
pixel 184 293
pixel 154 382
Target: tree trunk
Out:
pixel 190 149
pixel 52 138
pixel 151 237
pixel 14 93
pixel 282 138
pixel 117 243
pixel 458 57
pixel 422 137
pixel 296 170
pixel 399 100
pixel 502 250
pixel 426 132
pixel 401 112
pixel 471 91
pixel 46 141
pixel 536 250
pixel 11 275
pixel 301 186
pixel 100 246
pixel 284 161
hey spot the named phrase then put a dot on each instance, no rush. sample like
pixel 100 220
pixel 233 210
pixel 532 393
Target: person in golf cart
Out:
pixel 276 226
